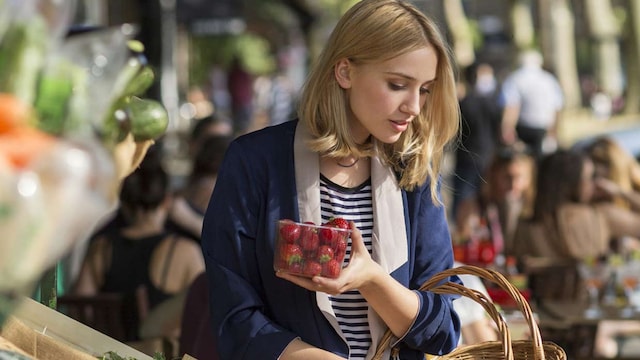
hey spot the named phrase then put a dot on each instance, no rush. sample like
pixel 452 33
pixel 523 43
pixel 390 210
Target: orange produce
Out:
pixel 13 112
pixel 22 144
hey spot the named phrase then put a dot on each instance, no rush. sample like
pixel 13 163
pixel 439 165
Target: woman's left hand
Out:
pixel 361 269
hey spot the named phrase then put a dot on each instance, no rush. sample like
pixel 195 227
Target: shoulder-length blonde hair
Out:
pixel 376 31
pixel 623 168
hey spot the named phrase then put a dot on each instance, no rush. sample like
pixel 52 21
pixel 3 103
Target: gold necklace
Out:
pixel 349 165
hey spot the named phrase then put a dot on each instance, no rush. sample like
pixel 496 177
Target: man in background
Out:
pixel 532 100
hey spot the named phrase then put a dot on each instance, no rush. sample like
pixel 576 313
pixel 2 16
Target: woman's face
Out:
pixel 587 187
pixel 385 97
pixel 513 180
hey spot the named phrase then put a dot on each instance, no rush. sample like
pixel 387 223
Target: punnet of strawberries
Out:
pixel 308 249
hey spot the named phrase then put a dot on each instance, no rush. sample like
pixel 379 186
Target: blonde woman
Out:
pixel 375 115
pixel 617 173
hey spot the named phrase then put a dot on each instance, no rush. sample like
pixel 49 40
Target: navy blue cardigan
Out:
pixel 256 314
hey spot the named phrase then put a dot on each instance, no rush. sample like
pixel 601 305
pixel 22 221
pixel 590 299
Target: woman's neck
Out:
pixel 346 176
pixel 146 223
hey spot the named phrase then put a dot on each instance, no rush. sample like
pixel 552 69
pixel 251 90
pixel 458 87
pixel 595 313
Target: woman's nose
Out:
pixel 412 104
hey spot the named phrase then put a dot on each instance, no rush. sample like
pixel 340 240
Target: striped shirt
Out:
pixel 352 204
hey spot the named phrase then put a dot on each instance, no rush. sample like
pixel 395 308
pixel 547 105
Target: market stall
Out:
pixel 73 123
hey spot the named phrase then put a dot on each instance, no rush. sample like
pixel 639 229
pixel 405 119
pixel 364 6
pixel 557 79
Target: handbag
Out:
pixel 506 348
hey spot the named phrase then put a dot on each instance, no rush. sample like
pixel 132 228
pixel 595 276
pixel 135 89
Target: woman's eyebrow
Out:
pixel 408 77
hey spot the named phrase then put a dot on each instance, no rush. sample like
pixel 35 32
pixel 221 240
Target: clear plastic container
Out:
pixel 307 249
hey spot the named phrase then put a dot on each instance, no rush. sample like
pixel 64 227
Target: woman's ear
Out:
pixel 342 72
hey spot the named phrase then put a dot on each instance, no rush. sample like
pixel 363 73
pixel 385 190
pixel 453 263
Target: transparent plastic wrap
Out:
pixel 67 139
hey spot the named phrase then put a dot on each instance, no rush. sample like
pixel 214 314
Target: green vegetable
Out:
pixel 61 97
pixel 149 119
pixel 117 125
pixel 135 46
pixel 22 53
pixel 140 82
pixel 52 101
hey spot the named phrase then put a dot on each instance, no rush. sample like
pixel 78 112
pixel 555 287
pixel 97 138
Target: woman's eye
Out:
pixel 425 90
pixel 396 87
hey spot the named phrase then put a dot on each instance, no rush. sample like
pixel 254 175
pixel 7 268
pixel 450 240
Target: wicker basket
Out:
pixel 534 348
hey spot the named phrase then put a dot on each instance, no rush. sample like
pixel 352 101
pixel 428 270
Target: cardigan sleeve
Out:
pixel 436 329
pixel 242 328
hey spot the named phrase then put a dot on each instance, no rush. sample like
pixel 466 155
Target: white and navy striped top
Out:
pixel 352 204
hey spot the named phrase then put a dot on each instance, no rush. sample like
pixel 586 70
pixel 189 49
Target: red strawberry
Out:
pixel 340 223
pixel 291 254
pixel 327 234
pixel 340 249
pixel 295 268
pixel 331 269
pixel 309 239
pixel 289 231
pixel 312 268
pixel 325 253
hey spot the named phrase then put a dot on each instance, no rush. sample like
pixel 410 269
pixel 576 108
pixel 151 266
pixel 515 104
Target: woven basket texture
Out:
pixel 506 348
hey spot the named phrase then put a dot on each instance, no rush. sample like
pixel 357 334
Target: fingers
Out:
pixel 302 281
pixel 317 283
pixel 357 244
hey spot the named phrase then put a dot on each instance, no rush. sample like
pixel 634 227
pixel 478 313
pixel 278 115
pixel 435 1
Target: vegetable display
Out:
pixel 73 123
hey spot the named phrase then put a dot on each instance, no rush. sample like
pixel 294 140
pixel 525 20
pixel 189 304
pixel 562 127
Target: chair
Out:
pixel 553 279
pixel 102 312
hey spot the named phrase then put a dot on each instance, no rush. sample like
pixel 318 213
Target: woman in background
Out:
pixel 139 258
pixel 566 226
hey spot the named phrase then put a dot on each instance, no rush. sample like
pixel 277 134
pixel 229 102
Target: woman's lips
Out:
pixel 400 125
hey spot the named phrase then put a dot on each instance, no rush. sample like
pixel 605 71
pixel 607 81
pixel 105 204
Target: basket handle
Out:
pixel 435 285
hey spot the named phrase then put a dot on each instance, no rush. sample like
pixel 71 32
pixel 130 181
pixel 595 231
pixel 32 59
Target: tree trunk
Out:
pixel 462 36
pixel 564 52
pixel 522 25
pixel 605 33
pixel 632 56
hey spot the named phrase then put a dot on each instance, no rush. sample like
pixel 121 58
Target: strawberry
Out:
pixel 331 269
pixel 340 223
pixel 325 253
pixel 289 231
pixel 327 234
pixel 309 239
pixel 291 254
pixel 312 268
pixel 295 268
pixel 340 249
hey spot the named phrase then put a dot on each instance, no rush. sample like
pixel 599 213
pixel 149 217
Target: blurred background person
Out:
pixel 190 203
pixel 284 94
pixel 139 258
pixel 566 227
pixel 240 86
pixel 475 324
pixel 196 334
pixel 617 173
pixel 532 99
pixel 479 131
pixel 506 196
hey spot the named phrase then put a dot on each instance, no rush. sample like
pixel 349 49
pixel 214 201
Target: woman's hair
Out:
pixel 624 169
pixel 558 182
pixel 374 31
pixel 146 188
pixel 209 157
